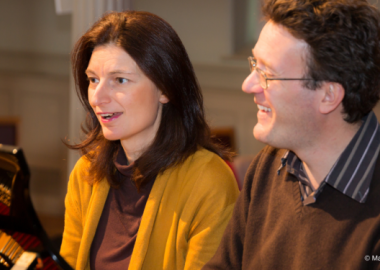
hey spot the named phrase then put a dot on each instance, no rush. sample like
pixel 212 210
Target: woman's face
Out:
pixel 126 102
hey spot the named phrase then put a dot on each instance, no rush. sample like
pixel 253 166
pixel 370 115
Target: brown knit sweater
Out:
pixel 272 229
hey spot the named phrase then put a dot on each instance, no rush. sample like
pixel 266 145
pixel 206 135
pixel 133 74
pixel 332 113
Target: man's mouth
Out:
pixel 262 108
pixel 108 116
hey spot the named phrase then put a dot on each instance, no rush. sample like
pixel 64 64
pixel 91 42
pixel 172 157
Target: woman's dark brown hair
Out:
pixel 160 54
pixel 344 46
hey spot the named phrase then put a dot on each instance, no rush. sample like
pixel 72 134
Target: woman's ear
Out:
pixel 163 98
pixel 332 96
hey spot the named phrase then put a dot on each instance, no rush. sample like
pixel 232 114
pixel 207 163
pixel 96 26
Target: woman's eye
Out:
pixel 92 80
pixel 121 80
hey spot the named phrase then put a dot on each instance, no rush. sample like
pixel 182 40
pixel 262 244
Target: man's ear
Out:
pixel 332 95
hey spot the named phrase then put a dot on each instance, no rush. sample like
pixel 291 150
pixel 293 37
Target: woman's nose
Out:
pixel 251 84
pixel 99 95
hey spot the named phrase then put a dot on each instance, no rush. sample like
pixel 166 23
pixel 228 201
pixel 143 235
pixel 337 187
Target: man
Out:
pixel 311 198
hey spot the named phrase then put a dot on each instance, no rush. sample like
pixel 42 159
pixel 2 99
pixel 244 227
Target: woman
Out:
pixel 151 190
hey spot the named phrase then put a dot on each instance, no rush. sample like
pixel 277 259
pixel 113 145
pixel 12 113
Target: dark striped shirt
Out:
pixel 351 173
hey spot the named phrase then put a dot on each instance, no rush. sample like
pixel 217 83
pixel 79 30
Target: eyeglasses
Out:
pixel 263 79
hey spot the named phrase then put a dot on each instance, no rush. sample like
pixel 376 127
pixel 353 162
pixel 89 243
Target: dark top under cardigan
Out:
pixel 117 230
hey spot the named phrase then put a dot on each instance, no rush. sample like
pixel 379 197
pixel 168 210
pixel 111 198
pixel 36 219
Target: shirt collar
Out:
pixel 352 173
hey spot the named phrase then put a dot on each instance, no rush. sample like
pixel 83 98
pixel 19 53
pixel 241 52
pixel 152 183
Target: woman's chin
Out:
pixel 111 137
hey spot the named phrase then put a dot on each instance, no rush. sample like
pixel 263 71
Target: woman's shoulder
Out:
pixel 202 157
pixel 204 176
pixel 79 175
pixel 207 169
pixel 81 167
pixel 79 190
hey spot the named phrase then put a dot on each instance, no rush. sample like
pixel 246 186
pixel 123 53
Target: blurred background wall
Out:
pixel 36 85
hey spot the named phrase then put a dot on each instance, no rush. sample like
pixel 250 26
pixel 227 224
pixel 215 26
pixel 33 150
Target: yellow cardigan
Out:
pixel 183 222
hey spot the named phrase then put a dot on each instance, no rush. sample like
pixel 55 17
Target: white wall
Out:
pixel 33 26
pixel 34 76
pixel 204 26
pixel 40 102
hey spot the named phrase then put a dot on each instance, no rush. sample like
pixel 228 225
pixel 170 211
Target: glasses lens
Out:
pixel 251 64
pixel 260 75
pixel 262 79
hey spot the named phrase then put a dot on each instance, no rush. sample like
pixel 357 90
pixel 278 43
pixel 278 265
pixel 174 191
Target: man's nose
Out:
pixel 252 83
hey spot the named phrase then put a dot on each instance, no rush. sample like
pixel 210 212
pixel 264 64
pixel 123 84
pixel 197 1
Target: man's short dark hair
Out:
pixel 344 46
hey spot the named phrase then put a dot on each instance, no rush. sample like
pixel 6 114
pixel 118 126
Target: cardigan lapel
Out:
pixel 148 220
pixel 95 208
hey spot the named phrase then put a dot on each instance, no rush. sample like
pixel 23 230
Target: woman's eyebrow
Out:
pixel 119 71
pixel 89 71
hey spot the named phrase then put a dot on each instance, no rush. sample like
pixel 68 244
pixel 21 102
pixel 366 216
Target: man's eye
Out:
pixel 269 74
pixel 121 80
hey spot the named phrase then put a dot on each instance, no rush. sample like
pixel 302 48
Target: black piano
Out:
pixel 24 243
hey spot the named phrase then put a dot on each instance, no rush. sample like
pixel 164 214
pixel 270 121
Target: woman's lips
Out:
pixel 107 117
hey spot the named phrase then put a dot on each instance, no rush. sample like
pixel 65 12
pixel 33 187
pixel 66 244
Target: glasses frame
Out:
pixel 253 66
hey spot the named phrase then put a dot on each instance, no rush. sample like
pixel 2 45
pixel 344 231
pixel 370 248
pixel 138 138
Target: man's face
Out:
pixel 287 110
